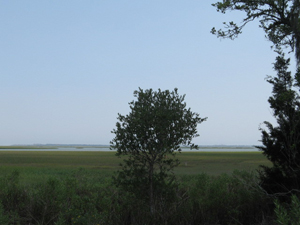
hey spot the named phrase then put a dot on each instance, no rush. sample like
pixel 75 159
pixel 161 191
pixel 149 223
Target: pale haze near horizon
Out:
pixel 68 68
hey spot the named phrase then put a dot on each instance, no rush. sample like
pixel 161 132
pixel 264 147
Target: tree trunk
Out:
pixel 151 194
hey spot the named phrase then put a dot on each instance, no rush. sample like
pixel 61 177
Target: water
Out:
pixel 105 149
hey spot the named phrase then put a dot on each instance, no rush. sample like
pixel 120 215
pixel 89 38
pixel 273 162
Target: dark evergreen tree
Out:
pixel 150 135
pixel 281 143
pixel 280 20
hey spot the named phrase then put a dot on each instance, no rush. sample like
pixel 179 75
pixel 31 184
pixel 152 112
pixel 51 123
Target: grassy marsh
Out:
pixel 65 187
pixel 36 165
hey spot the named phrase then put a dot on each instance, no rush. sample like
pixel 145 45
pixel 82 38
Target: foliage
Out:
pixel 282 142
pixel 150 135
pixel 4 219
pixel 226 199
pixel 73 200
pixel 12 197
pixel 288 214
pixel 203 199
pixel 81 198
pixel 278 18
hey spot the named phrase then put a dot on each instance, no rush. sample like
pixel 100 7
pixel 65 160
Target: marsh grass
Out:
pixel 39 165
pixel 44 187
pixel 216 163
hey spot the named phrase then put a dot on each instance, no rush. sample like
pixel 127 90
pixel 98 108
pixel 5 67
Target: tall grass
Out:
pixel 213 163
pixel 81 199
pixel 58 188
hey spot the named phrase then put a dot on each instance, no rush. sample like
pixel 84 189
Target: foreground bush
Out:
pixel 78 199
pixel 74 200
pixel 288 213
pixel 227 199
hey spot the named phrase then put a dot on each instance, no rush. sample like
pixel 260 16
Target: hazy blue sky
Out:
pixel 68 67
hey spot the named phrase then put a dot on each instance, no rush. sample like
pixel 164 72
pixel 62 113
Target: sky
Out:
pixel 69 67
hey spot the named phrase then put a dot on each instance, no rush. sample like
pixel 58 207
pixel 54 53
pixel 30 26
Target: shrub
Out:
pixel 288 214
pixel 81 199
pixel 225 199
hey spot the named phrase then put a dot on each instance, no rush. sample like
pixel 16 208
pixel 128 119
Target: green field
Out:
pixel 75 187
pixel 37 165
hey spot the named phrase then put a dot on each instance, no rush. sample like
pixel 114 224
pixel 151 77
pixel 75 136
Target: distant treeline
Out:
pixel 55 146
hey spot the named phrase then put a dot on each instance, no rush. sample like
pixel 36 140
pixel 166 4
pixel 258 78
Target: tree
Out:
pixel 282 142
pixel 278 18
pixel 150 135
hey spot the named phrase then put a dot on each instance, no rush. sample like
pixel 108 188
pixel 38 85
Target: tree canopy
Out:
pixel 158 125
pixel 278 18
